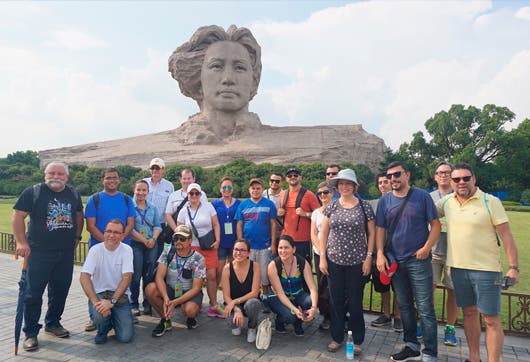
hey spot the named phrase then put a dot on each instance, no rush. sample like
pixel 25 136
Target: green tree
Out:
pixel 30 158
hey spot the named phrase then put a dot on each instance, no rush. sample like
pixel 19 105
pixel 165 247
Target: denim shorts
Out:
pixel 477 287
pixel 224 253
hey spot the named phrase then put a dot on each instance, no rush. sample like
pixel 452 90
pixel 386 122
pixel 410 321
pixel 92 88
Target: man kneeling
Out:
pixel 105 279
pixel 178 282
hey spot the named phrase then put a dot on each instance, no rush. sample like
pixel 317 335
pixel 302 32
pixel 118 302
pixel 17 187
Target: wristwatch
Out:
pixel 514 267
pixel 113 301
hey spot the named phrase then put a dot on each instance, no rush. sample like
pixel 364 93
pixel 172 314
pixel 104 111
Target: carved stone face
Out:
pixel 226 77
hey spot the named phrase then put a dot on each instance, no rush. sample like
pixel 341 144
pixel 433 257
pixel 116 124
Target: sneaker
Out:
pixel 251 335
pixel 398 325
pixel 236 331
pixel 57 330
pixel 450 336
pixel 406 354
pixel 381 321
pixel 324 326
pixel 298 330
pixel 30 344
pixel 280 328
pixel 161 328
pixel 216 311
pixel 135 312
pixel 191 323
pixel 100 338
pixel 419 334
pixel 90 326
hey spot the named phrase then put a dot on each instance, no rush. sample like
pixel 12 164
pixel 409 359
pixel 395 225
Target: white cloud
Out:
pixel 74 39
pixel 523 13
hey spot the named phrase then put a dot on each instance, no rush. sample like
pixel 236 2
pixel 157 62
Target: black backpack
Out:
pixel 37 188
pixel 297 202
pixel 97 198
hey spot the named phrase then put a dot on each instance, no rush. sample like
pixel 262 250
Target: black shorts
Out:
pixel 378 286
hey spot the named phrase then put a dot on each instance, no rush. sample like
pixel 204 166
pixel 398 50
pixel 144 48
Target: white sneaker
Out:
pixel 251 335
pixel 236 331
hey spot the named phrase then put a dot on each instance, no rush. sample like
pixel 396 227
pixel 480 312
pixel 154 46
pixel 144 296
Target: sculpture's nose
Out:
pixel 228 76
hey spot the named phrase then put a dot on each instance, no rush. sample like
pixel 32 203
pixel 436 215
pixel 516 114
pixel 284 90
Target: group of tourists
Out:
pixel 155 251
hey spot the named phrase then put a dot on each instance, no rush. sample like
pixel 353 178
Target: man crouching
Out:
pixel 178 282
pixel 105 279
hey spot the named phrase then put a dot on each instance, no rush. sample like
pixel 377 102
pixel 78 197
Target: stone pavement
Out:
pixel 211 341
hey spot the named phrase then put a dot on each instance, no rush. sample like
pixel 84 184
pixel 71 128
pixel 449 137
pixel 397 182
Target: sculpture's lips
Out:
pixel 228 92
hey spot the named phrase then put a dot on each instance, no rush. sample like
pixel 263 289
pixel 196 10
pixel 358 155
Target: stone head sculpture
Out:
pixel 220 70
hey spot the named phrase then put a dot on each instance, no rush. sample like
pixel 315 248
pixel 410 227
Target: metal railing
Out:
pixel 515 306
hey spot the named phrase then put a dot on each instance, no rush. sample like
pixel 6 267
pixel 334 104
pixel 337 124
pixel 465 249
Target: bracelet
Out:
pixel 293 310
pixel 369 254
pixel 238 300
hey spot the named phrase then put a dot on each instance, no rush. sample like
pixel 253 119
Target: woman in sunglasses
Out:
pixel 347 238
pixel 202 218
pixel 325 195
pixel 241 281
pixel 226 207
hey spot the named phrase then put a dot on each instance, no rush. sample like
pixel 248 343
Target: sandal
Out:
pixel 334 346
pixel 357 350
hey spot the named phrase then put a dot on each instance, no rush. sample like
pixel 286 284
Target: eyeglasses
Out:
pixel 225 188
pixel 457 179
pixel 443 173
pixel 396 174
pixel 291 175
pixel 155 167
pixel 180 239
pixel 332 173
pixel 111 178
pixel 242 251
pixel 194 193
pixel 326 192
pixel 275 181
pixel 113 232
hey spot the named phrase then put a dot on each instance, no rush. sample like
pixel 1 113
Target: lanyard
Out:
pixel 196 211
pixel 288 276
pixel 181 269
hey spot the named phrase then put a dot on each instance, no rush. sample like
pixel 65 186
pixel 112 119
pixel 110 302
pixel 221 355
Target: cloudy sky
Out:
pixel 80 72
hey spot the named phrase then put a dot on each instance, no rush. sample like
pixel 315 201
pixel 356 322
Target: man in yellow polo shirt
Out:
pixel 473 252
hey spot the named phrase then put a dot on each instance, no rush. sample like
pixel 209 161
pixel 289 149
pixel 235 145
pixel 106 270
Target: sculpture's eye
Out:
pixel 215 66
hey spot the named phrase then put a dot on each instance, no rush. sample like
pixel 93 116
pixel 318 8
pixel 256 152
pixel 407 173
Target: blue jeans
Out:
pixel 46 268
pixel 346 284
pixel 120 319
pixel 283 314
pixel 413 282
pixel 144 263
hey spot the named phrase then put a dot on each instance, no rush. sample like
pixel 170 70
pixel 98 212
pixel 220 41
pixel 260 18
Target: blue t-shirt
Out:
pixel 257 221
pixel 226 215
pixel 110 207
pixel 412 229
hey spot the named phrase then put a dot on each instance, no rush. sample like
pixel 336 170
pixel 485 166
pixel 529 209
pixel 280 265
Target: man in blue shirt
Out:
pixel 256 222
pixel 409 237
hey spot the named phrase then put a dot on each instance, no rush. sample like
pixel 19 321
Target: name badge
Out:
pixel 228 228
pixel 178 290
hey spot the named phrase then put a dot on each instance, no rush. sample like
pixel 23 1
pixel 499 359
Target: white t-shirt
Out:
pixel 274 198
pixel 202 219
pixel 176 198
pixel 106 267
pixel 317 217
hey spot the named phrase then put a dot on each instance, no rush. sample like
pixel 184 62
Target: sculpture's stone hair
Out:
pixel 186 61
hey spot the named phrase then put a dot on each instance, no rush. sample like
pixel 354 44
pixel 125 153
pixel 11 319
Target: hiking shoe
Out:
pixel 406 354
pixel 398 325
pixel 298 330
pixel 90 326
pixel 251 335
pixel 236 331
pixel 100 338
pixel 280 328
pixel 216 311
pixel 30 343
pixel 381 321
pixel 161 328
pixel 191 323
pixel 58 331
pixel 324 326
pixel 450 336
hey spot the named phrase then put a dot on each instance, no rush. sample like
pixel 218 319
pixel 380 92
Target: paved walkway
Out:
pixel 212 341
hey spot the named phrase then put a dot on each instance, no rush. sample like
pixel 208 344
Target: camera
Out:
pixel 505 282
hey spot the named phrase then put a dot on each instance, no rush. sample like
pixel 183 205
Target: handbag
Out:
pixel 166 235
pixel 206 241
pixel 263 336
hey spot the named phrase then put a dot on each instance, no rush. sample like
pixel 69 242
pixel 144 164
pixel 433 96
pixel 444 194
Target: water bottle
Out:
pixel 349 346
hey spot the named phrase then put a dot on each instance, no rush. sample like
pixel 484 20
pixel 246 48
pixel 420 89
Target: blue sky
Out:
pixel 80 72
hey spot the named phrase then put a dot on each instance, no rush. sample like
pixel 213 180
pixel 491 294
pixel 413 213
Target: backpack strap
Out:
pixel 171 254
pixel 96 197
pixel 36 194
pixel 489 213
pixel 298 202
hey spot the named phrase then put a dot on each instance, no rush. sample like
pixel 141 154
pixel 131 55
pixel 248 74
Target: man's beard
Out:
pixel 55 184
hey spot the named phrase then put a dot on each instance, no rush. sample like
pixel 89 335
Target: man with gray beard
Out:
pixel 55 224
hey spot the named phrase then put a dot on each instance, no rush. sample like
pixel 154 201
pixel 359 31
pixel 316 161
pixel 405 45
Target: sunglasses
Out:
pixel 225 188
pixel 396 174
pixel 242 251
pixel 327 192
pixel 194 193
pixel 331 173
pixel 180 239
pixel 155 167
pixel 275 181
pixel 457 179
pixel 291 175
pixel 443 173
